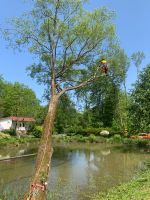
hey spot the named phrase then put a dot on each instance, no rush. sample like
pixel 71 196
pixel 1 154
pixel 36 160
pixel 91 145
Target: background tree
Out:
pixel 121 115
pixel 19 100
pixel 66 116
pixel 41 112
pixel 137 58
pixel 103 96
pixel 68 41
pixel 2 85
pixel 140 102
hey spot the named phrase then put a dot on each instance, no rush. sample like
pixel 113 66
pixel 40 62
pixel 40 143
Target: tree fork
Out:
pixel 38 186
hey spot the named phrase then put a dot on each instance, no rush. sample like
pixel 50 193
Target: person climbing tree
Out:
pixel 67 41
pixel 104 66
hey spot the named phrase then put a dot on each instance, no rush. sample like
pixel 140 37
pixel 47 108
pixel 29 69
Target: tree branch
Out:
pixel 82 84
pixel 79 56
pixel 61 72
pixel 31 36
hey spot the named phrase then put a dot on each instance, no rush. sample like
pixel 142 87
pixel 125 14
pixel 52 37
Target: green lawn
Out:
pixel 137 189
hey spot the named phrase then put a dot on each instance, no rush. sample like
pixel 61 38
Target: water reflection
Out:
pixel 77 170
pixel 93 169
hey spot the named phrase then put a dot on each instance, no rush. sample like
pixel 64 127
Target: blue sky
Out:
pixel 132 26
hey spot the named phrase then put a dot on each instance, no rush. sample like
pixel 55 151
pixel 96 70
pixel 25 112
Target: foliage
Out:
pixel 117 138
pixel 137 58
pixel 121 115
pixel 16 141
pixel 136 189
pixel 141 143
pixel 41 112
pixel 86 139
pixel 2 85
pixel 4 135
pixel 66 116
pixel 68 42
pixel 103 97
pixel 11 132
pixel 140 105
pixel 18 100
pixel 37 131
pixel 66 39
pixel 96 131
pixel 92 138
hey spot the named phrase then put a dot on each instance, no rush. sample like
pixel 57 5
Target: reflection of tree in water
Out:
pixel 79 172
pixel 101 169
pixel 106 169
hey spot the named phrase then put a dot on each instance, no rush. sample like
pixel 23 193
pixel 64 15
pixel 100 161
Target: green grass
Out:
pixel 116 139
pixel 136 189
pixel 79 138
pixel 16 141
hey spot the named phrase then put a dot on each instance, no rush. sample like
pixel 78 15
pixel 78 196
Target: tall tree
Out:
pixel 103 94
pixel 137 58
pixel 66 116
pixel 68 40
pixel 120 120
pixel 140 102
pixel 2 85
pixel 19 100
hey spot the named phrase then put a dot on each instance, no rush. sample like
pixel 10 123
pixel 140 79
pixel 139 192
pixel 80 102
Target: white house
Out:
pixel 18 123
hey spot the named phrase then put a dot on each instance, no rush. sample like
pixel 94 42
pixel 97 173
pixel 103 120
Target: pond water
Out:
pixel 78 171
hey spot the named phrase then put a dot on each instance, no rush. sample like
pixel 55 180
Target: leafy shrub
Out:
pixel 78 130
pixel 128 141
pixel 147 164
pixel 91 131
pixel 81 139
pixel 142 143
pixel 93 138
pixel 4 135
pixel 73 130
pixel 37 131
pixel 137 142
pixel 117 138
pixel 11 132
pixel 78 138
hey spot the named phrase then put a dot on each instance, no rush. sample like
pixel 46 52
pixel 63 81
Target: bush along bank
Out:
pixel 89 135
pixel 93 135
pixel 8 139
pixel 136 189
pixel 115 139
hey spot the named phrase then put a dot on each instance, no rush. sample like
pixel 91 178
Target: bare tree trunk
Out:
pixel 38 187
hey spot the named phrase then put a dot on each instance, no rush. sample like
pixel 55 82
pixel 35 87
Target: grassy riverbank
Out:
pixel 115 139
pixel 4 140
pixel 62 138
pixel 136 189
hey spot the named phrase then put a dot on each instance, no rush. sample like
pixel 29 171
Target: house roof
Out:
pixel 13 118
